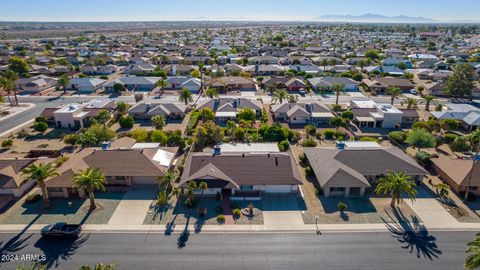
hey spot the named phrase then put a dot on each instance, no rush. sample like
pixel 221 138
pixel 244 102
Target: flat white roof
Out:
pixel 387 108
pixel 145 145
pixel 358 144
pixel 362 102
pixel 249 147
pixel 163 157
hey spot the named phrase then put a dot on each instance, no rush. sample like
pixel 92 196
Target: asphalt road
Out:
pixel 382 251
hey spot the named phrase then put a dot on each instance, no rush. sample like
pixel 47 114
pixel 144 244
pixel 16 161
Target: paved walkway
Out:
pixel 134 206
pixel 430 211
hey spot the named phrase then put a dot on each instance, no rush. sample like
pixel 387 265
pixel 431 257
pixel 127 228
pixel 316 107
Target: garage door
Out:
pixel 278 189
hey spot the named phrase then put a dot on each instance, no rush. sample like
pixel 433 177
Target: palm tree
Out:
pixel 33 266
pixel 175 192
pixel 411 102
pixel 99 266
pixel 167 180
pixel 292 98
pixel 9 87
pixel 159 121
pixel 338 88
pixel 62 83
pixel 185 96
pixel 40 172
pixel 91 180
pixel 394 92
pixel 202 186
pixel 441 189
pixel 396 183
pixel 211 93
pixel 280 96
pixel 473 260
pixel 428 99
pixel 161 83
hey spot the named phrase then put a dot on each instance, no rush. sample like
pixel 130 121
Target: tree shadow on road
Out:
pixel 413 235
pixel 17 243
pixel 183 238
pixel 57 249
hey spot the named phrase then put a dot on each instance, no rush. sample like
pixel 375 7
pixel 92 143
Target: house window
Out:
pixel 55 189
pixel 246 187
pixel 337 189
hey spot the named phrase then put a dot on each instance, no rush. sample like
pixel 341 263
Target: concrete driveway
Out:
pixel 282 209
pixel 134 206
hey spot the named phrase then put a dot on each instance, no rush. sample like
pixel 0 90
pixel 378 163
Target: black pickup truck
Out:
pixel 61 229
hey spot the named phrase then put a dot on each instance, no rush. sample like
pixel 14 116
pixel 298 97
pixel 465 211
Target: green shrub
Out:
pixel 41 118
pixel 397 136
pixel 70 139
pixel 342 206
pixel 422 125
pixel 236 213
pixel 310 129
pixel 158 136
pixel 126 121
pixel 283 146
pixel 220 218
pixel 309 143
pixel 34 197
pixel 309 171
pixel 328 134
pixel 369 139
pixel 423 156
pixel 336 107
pixel 449 137
pixel 460 144
pixel 450 124
pixel 435 124
pixel 303 158
pixel 193 120
pixel 40 126
pixel 7 143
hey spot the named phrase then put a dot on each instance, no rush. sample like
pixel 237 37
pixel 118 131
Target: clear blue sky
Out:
pixel 150 10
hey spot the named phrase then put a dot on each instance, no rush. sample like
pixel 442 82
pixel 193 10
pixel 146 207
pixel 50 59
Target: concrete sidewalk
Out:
pixel 134 206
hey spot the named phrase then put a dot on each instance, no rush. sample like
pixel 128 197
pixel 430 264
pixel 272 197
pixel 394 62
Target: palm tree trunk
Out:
pixel 92 201
pixel 392 202
pixel 427 106
pixel 336 100
pixel 46 201
pixel 15 95
pixel 392 100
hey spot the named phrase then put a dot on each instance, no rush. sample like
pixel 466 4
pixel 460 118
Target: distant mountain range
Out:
pixel 369 17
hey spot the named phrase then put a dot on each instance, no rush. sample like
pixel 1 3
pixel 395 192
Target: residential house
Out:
pixel 11 178
pixel 367 113
pixel 35 84
pixel 468 114
pixel 290 83
pixel 351 168
pixel 327 83
pixel 380 85
pixel 242 175
pixel 76 115
pixel 180 82
pixel 134 83
pixel 460 174
pixel 227 108
pixel 86 85
pixel 233 83
pixel 122 168
pixel 302 112
pixel 145 110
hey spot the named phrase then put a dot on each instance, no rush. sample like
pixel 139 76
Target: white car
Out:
pixel 413 92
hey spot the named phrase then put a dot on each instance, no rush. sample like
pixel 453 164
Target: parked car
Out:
pixel 413 92
pixel 61 229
